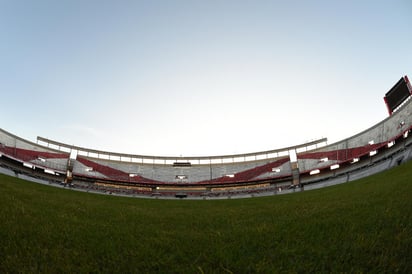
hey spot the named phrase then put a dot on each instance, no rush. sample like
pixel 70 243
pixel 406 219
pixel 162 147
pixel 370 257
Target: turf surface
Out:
pixel 363 226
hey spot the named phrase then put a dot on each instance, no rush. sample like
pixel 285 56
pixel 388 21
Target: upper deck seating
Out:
pixel 43 159
pixel 313 160
pixel 111 173
pixel 342 155
pixel 105 170
pixel 250 174
pixel 30 155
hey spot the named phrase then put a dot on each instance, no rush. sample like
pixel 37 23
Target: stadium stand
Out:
pixel 317 164
pixel 19 152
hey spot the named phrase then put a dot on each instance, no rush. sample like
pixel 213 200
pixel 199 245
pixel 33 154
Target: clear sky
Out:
pixel 198 78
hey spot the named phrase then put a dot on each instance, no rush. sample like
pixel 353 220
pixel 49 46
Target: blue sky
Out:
pixel 198 77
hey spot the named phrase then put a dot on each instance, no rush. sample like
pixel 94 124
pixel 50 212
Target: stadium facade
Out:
pixel 302 167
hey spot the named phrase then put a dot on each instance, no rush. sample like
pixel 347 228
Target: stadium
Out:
pixel 296 168
pixel 358 219
pixel 190 137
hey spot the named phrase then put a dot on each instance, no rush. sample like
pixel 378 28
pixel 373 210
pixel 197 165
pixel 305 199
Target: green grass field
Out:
pixel 363 226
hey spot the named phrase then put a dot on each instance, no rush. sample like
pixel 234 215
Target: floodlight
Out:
pixel 276 170
pixel 313 172
pixel 181 177
pixel 335 166
pixel 28 165
pixel 49 171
